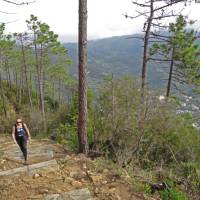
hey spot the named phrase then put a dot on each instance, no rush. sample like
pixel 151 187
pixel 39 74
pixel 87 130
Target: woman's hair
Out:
pixel 19 119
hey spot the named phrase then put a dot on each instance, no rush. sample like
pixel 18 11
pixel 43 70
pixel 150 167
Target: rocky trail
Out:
pixel 54 173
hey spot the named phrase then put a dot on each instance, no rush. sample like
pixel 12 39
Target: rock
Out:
pixel 36 176
pixel 50 165
pixel 78 175
pixel 43 191
pixel 68 180
pixel 76 184
pixel 97 190
pixel 66 159
pixel 83 180
pixel 84 166
pixel 113 185
pixel 31 169
pixel 81 194
pixel 58 191
pixel 96 178
pixel 52 197
pixel 2 161
pixel 72 174
pixel 117 197
pixel 112 190
pixel 35 197
pixel 104 182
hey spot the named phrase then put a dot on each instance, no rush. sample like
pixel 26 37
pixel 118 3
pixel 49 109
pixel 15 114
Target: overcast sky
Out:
pixel 105 17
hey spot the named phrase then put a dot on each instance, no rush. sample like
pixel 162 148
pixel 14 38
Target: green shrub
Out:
pixel 147 189
pixel 151 131
pixel 172 194
pixel 191 172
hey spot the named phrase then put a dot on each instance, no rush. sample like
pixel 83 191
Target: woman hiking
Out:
pixel 21 135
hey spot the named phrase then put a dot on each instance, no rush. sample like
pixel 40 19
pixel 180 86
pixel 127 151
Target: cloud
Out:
pixel 105 17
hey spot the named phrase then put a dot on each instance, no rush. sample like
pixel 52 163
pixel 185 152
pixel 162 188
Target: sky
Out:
pixel 105 17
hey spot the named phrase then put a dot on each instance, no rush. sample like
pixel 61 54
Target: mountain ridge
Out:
pixel 118 55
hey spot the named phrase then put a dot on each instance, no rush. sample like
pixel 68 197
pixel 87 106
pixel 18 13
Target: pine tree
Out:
pixel 82 119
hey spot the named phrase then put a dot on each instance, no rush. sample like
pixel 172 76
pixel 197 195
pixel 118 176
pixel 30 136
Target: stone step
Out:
pixel 15 147
pixel 18 154
pixel 81 194
pixel 50 165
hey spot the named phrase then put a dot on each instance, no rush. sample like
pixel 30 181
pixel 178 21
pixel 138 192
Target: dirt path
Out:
pixel 76 174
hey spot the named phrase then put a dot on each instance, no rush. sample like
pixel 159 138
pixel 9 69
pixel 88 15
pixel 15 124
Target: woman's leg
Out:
pixel 22 142
pixel 24 148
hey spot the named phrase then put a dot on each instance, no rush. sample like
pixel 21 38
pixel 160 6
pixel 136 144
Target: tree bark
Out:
pixel 146 44
pixel 170 74
pixel 41 87
pixel 8 73
pixel 36 91
pixel 25 73
pixel 39 69
pixel 82 44
pixel 3 96
pixel 59 91
pixel 15 76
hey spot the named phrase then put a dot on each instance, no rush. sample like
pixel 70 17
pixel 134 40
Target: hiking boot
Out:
pixel 26 162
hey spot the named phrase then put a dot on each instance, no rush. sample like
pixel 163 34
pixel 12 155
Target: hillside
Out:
pixel 120 55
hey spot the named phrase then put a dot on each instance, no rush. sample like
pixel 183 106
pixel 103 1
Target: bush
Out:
pixel 147 132
pixel 63 124
pixel 172 194
pixel 191 173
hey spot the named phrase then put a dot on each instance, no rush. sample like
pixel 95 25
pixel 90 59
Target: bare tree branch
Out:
pixel 160 26
pixel 159 36
pixel 10 21
pixel 132 17
pixel 160 60
pixel 166 16
pixel 167 5
pixel 6 12
pixel 179 80
pixel 136 16
pixel 135 37
pixel 140 4
pixel 153 41
pixel 20 3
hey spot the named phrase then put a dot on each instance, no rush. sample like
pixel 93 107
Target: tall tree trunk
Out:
pixel 41 86
pixel 170 74
pixel 113 101
pixel 3 96
pixel 53 93
pixel 25 73
pixel 59 91
pixel 38 69
pixel 15 76
pixel 146 45
pixel 82 44
pixel 40 81
pixel 8 73
pixel 9 77
pixel 30 81
pixel 20 89
pixel 36 91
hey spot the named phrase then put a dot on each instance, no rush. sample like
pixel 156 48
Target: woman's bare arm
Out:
pixel 28 132
pixel 13 134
